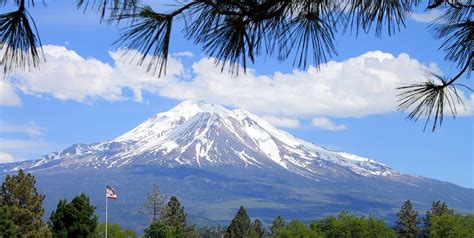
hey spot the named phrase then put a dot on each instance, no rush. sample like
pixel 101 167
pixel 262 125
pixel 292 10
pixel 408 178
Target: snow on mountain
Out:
pixel 209 135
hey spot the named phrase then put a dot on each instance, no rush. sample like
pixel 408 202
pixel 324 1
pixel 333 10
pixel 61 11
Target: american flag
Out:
pixel 110 192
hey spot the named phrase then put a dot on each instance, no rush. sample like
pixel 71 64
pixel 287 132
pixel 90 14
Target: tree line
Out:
pixel 439 222
pixel 22 212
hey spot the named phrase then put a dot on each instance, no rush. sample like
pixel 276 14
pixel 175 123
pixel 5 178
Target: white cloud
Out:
pixel 186 54
pixel 31 129
pixel 282 122
pixel 356 87
pixel 8 96
pixel 68 76
pixel 427 16
pixel 6 157
pixel 326 124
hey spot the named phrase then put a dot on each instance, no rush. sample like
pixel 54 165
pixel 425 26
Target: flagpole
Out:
pixel 106 213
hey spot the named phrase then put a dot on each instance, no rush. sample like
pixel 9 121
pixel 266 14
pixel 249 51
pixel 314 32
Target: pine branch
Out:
pixel 114 7
pixel 362 14
pixel 150 35
pixel 457 28
pixel 430 99
pixel 312 31
pixel 29 3
pixel 19 40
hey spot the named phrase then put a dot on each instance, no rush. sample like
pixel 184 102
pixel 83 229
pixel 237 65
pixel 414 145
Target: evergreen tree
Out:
pixel 239 226
pixel 75 219
pixel 154 203
pixel 25 204
pixel 173 214
pixel 256 229
pixel 407 221
pixel 174 218
pixel 438 208
pixel 278 224
pixel 157 229
pixel 7 227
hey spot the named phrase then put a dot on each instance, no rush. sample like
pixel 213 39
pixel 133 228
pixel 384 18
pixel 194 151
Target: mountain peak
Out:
pixel 209 135
pixel 189 108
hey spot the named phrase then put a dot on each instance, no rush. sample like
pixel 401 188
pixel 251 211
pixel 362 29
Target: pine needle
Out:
pixel 19 41
pixel 429 100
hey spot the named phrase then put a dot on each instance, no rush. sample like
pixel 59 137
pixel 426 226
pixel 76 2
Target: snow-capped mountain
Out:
pixel 209 135
pixel 215 159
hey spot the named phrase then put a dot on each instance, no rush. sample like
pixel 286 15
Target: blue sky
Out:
pixel 85 93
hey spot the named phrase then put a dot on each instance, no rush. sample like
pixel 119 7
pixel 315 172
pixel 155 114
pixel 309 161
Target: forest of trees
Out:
pixel 22 215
